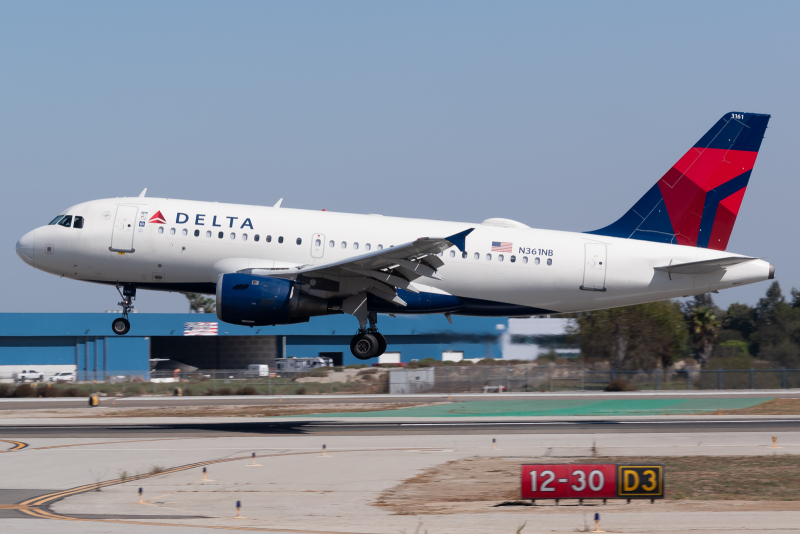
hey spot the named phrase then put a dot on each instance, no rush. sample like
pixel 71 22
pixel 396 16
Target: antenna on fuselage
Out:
pixel 141 195
pixel 277 204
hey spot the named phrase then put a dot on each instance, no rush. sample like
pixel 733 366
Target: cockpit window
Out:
pixel 54 221
pixel 65 221
pixel 78 222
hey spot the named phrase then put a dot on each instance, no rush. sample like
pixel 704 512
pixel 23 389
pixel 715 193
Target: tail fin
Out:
pixel 696 202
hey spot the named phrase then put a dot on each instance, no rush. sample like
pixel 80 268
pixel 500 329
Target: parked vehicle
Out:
pixel 290 366
pixel 257 371
pixel 64 376
pixel 28 375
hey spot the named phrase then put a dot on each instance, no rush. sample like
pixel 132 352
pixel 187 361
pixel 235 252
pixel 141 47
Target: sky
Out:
pixel 560 115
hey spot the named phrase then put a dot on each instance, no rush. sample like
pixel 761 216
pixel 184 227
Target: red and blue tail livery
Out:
pixel 696 202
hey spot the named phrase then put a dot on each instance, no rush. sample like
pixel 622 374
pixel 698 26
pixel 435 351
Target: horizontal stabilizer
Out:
pixel 703 267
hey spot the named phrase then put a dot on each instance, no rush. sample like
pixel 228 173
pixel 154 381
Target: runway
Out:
pixel 199 428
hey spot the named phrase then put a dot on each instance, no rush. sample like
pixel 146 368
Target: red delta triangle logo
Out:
pixel 158 218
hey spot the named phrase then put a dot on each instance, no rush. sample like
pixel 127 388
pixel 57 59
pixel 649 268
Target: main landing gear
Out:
pixel 368 342
pixel 121 325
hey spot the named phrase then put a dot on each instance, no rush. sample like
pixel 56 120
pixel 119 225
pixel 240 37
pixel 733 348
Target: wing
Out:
pixel 380 273
pixel 704 267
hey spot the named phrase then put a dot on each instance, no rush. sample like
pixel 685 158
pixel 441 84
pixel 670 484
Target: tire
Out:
pixel 364 346
pixel 382 345
pixel 120 326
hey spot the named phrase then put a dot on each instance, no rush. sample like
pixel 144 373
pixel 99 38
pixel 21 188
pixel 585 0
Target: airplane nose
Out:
pixel 25 248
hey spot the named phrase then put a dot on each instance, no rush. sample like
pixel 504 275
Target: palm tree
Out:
pixel 198 303
pixel 704 327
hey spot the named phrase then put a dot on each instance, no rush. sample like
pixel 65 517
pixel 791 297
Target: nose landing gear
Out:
pixel 121 325
pixel 368 342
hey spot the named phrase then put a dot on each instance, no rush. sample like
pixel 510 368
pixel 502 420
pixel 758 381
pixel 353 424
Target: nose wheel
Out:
pixel 121 325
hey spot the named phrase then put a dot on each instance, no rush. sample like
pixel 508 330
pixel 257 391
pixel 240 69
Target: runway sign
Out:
pixel 592 481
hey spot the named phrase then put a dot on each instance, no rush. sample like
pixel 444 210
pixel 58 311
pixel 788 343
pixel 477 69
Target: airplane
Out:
pixel 275 265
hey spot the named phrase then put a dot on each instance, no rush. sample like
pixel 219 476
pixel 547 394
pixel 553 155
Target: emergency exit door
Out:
pixel 317 245
pixel 124 225
pixel 594 267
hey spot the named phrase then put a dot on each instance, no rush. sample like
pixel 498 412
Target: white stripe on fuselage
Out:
pixel 84 254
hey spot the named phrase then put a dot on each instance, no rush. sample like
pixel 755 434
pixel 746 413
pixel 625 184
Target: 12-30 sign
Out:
pixel 592 481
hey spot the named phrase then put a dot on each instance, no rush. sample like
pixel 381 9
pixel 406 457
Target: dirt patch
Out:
pixel 772 407
pixel 706 483
pixel 106 409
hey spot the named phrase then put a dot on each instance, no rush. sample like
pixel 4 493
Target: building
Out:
pixel 51 342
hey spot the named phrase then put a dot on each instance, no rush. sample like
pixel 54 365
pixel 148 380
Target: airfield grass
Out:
pixel 771 407
pixel 449 487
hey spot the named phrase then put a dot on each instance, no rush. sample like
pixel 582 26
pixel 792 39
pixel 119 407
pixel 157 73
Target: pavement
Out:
pixel 53 467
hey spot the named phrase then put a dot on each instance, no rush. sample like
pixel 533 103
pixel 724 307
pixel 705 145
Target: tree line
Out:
pixel 658 334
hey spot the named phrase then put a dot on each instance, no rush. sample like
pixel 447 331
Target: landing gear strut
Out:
pixel 121 325
pixel 368 342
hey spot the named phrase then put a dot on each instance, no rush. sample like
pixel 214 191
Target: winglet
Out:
pixel 278 203
pixel 460 239
pixel 144 191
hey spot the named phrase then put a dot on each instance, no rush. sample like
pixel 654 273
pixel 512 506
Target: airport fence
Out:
pixel 443 379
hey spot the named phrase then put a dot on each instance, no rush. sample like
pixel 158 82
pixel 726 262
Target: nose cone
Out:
pixel 25 248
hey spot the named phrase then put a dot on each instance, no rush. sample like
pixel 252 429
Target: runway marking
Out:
pixel 34 507
pixel 18 445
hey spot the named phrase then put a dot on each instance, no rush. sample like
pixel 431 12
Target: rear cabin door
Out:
pixel 317 245
pixel 124 225
pixel 594 268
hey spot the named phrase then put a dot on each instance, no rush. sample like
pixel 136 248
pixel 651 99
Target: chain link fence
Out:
pixel 441 379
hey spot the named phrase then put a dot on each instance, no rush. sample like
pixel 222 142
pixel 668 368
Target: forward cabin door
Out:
pixel 317 245
pixel 594 268
pixel 124 225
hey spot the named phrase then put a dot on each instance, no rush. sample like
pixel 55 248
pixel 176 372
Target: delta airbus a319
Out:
pixel 273 265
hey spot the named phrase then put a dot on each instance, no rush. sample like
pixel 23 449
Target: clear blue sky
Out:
pixel 560 115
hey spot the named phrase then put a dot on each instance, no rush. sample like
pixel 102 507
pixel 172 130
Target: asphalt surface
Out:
pixel 310 427
pixel 156 402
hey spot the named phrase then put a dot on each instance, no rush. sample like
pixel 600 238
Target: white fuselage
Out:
pixel 545 269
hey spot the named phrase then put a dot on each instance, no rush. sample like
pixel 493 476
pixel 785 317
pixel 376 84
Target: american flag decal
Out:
pixel 200 329
pixel 502 246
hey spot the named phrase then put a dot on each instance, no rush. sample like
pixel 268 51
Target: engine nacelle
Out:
pixel 263 300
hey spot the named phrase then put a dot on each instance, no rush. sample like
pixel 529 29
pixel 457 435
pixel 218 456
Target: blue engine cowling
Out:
pixel 263 300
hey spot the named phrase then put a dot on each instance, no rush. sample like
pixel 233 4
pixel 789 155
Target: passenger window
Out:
pixel 299 241
pixel 355 246
pixel 197 233
pixel 58 218
pixel 380 247
pixel 500 257
pixel 208 233
pixel 78 222
pixel 513 259
pixel 488 257
pixel 220 234
pixel 524 259
pixel 464 254
pixel 549 261
pixel 367 247
pixel 233 235
pixel 184 232
pixel 160 229
pixel 256 238
pixel 452 253
pixel 331 244
pixel 536 261
pixel 172 231
pixel 66 221
pixel 477 256
pixel 268 239
pixel 344 244
pixel 280 239
pixel 317 243
pixel 244 237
